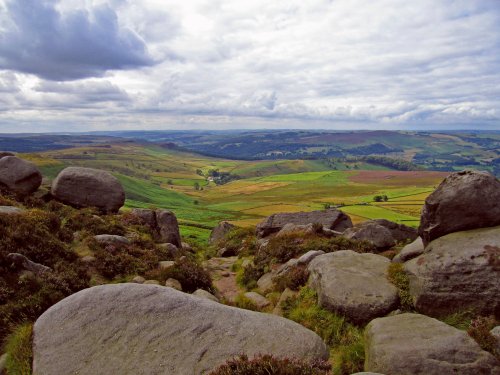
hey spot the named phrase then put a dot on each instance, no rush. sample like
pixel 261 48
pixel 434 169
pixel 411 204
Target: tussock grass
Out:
pixel 18 347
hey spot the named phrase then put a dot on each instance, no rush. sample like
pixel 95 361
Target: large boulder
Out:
pixel 354 285
pixel 220 232
pixel 409 344
pixel 410 251
pixel 10 210
pixel 399 232
pixel 457 272
pixel 87 187
pixel 6 153
pixel 330 219
pixel 148 329
pixel 19 176
pixel 376 234
pixel 464 200
pixel 163 224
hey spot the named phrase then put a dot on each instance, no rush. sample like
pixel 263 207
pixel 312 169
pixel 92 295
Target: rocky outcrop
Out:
pixel 259 301
pixel 410 251
pixel 220 232
pixel 378 235
pixel 163 224
pixel 6 153
pixel 458 271
pixel 204 294
pixel 87 187
pixel 354 285
pixel 399 232
pixel 19 176
pixel 409 344
pixel 464 200
pixel 148 329
pixel 331 219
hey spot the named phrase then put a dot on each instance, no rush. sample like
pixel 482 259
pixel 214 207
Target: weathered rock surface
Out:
pixel 378 235
pixel 265 283
pixel 6 153
pixel 458 271
pixel 259 301
pixel 409 344
pixel 88 187
pixel 173 283
pixel 19 176
pixel 399 232
pixel 21 262
pixel 495 332
pixel 166 264
pixel 410 251
pixel 10 210
pixel 138 280
pixel 331 219
pixel 220 231
pixel 3 363
pixel 204 294
pixel 112 239
pixel 464 200
pixel 354 285
pixel 141 329
pixel 286 295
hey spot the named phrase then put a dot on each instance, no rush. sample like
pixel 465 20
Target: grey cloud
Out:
pixel 40 40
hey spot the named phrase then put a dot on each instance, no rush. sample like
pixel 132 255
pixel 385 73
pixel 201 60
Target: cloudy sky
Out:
pixel 77 65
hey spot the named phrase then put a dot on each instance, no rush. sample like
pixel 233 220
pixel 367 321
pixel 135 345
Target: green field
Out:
pixel 154 177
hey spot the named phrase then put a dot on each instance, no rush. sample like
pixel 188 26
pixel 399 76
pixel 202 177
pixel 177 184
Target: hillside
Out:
pixel 155 176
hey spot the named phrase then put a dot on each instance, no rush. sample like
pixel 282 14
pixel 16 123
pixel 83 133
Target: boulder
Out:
pixel 265 283
pixel 173 283
pixel 410 251
pixel 21 262
pixel 495 332
pixel 370 231
pixel 112 239
pixel 464 200
pixel 151 282
pixel 331 219
pixel 3 363
pixel 306 258
pixel 19 176
pixel 88 187
pixel 145 216
pixel 148 329
pixel 166 264
pixel 353 285
pixel 138 280
pixel 168 227
pixel 259 301
pixel 204 294
pixel 400 232
pixel 458 271
pixel 226 252
pixel 409 344
pixel 171 249
pixel 286 295
pixel 220 232
pixel 10 210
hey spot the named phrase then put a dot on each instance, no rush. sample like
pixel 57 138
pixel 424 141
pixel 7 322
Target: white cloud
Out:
pixel 317 63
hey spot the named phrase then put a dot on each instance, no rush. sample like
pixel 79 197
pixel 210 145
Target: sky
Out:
pixel 84 65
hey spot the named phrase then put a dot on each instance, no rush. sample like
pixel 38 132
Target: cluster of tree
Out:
pixel 380 198
pixel 394 163
pixel 221 178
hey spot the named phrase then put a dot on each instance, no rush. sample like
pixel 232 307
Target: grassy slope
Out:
pixel 156 177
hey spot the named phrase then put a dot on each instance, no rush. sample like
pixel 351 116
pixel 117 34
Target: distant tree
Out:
pixel 196 202
pixel 196 186
pixel 170 182
pixel 327 206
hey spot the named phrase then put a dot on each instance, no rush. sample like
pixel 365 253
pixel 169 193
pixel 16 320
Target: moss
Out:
pixel 19 350
pixel 397 276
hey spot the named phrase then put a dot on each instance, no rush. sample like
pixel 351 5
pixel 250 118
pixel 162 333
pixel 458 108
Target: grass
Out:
pixel 19 350
pixel 344 339
pixel 397 276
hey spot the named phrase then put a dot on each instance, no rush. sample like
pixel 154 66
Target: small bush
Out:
pixel 19 351
pixel 397 276
pixel 460 319
pixel 190 274
pixel 269 365
pixel 480 329
pixel 294 279
pixel 247 277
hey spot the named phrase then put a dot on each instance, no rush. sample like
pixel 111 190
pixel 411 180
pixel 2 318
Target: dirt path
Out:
pixel 223 277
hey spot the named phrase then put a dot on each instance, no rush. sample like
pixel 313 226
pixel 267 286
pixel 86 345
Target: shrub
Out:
pixel 397 276
pixel 269 365
pixel 189 273
pixel 460 319
pixel 248 276
pixel 345 339
pixel 19 351
pixel 240 241
pixel 294 279
pixel 480 329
